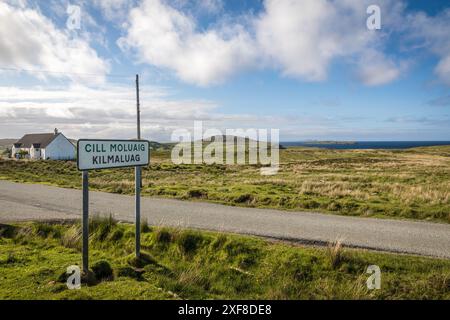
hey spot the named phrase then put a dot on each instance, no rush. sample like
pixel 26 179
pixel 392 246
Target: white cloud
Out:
pixel 109 112
pixel 375 69
pixel 113 9
pixel 29 40
pixel 433 33
pixel 302 38
pixel 168 38
pixel 210 6
pixel 86 112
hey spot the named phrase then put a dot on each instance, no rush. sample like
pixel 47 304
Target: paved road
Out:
pixel 21 202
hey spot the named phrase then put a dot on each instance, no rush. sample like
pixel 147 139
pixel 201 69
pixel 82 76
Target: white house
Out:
pixel 54 146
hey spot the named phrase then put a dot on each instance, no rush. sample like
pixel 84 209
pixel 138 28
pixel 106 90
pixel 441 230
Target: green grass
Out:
pixel 413 183
pixel 188 264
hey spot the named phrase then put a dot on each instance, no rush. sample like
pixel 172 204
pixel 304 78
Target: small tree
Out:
pixel 22 154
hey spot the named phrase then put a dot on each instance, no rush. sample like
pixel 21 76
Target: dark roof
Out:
pixel 43 139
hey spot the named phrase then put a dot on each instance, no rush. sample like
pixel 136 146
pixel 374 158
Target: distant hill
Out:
pixel 6 143
pixel 156 146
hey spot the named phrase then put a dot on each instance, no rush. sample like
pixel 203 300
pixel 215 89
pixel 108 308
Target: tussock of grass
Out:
pixel 145 228
pixel 190 264
pixel 72 237
pixel 335 253
pixel 189 241
pixel 163 236
pixel 102 270
pixel 7 231
pixel 100 227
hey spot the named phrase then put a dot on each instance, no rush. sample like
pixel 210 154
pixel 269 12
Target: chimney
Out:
pixel 56 131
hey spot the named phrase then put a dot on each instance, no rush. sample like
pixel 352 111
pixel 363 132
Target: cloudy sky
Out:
pixel 310 68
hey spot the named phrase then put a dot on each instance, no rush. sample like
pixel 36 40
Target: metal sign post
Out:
pixel 85 249
pixel 138 210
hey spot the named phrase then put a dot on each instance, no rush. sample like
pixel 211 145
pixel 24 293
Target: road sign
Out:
pixel 103 154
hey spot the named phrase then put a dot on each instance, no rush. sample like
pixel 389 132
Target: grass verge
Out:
pixel 187 264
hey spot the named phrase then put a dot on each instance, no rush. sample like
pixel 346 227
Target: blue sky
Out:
pixel 310 68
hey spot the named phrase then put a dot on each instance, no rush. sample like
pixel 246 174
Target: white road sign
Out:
pixel 102 154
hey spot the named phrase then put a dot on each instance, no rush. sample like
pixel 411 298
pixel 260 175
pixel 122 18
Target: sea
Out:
pixel 365 144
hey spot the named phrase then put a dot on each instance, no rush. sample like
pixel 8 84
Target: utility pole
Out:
pixel 138 181
pixel 138 109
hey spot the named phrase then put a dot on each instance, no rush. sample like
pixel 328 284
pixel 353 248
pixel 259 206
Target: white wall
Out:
pixel 59 149
pixel 14 151
pixel 35 154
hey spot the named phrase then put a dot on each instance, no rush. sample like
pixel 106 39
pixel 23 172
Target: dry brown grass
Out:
pixel 335 252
